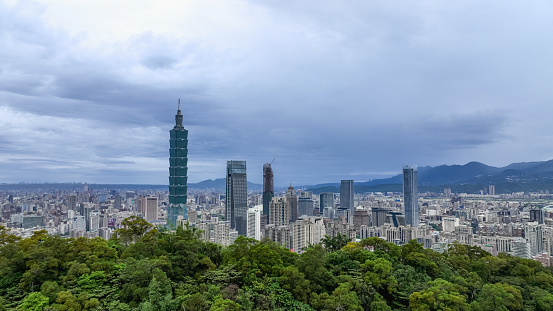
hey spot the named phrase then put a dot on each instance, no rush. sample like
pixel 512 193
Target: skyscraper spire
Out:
pixel 178 118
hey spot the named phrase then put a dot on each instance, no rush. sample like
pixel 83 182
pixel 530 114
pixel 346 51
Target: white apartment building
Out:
pixel 305 231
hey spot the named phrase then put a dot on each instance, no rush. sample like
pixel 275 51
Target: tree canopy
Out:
pixel 146 269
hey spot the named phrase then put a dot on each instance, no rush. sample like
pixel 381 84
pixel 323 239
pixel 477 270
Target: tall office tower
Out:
pixel 326 201
pixel 87 212
pixel 85 187
pixel 410 195
pixel 254 222
pixel 178 171
pixel 150 212
pixel 305 206
pixel 72 202
pixel 346 198
pixel 117 202
pixel 533 232
pixel 279 211
pixel 292 197
pixel 491 190
pixel 237 196
pixel 268 187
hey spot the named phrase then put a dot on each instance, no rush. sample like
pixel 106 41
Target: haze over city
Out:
pixel 350 90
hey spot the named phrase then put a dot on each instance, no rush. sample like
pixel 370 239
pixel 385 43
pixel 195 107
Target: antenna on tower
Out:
pixel 273 161
pixel 179 104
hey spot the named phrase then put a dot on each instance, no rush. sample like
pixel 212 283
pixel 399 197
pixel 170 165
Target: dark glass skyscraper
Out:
pixel 292 197
pixel 268 187
pixel 346 198
pixel 237 196
pixel 410 195
pixel 178 171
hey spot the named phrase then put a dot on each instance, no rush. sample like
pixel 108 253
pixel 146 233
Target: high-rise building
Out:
pixel 151 208
pixel 533 232
pixel 268 187
pixel 254 222
pixel 178 171
pixel 346 198
pixel 279 211
pixel 94 221
pixel 279 234
pixel 292 197
pixel 72 202
pixel 410 195
pixel 326 201
pixel 306 206
pixel 307 231
pixel 360 218
pixel 536 214
pixel 142 205
pixel 87 212
pixel 237 196
pixel 221 233
pixel 378 216
pixel 117 202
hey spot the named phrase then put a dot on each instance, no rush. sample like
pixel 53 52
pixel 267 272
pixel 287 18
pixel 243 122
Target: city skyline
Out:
pixel 333 91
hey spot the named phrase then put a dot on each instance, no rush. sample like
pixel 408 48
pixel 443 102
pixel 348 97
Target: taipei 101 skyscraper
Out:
pixel 178 171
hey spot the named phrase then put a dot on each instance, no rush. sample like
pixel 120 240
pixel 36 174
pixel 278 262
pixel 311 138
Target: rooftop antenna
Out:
pixel 179 104
pixel 273 161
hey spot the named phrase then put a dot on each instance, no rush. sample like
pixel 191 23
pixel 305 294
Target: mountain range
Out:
pixel 469 178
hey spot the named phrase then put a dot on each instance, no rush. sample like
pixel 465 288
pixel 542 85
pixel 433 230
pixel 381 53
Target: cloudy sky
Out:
pixel 332 89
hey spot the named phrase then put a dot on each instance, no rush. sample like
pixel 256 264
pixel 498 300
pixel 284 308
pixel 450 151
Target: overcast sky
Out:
pixel 333 89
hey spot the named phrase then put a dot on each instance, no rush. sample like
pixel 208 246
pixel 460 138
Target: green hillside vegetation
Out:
pixel 147 269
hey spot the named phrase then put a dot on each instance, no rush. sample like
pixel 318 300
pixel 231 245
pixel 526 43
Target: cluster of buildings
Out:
pixel 296 219
pixel 73 213
pixel 520 224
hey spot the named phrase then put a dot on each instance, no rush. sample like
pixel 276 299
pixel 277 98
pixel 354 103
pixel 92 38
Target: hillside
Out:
pixel 151 270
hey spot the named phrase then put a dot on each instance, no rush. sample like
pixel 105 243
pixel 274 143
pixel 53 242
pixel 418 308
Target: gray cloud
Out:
pixel 332 90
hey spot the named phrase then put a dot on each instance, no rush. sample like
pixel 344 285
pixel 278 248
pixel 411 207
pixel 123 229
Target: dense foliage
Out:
pixel 146 269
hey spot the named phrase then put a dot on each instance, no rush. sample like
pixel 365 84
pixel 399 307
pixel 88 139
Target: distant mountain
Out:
pixel 521 165
pixel 471 177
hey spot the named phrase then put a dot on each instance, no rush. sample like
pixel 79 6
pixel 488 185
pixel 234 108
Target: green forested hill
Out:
pixel 152 270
